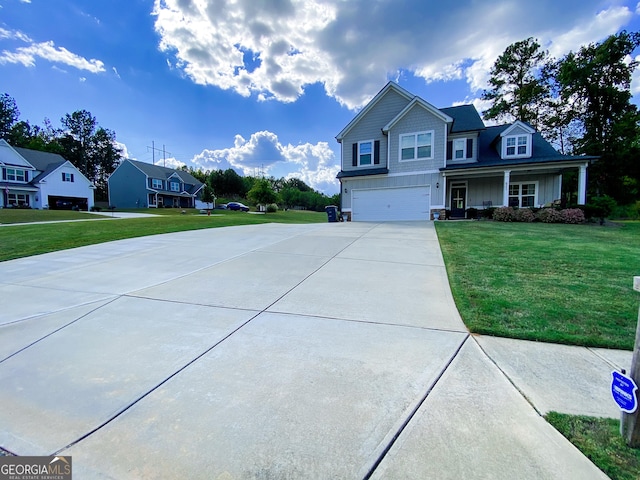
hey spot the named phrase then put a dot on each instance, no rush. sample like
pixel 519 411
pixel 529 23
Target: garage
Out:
pixel 390 204
pixel 67 203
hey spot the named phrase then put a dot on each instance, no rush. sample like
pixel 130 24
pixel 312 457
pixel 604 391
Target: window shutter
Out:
pixel 376 152
pixel 72 177
pixel 469 147
pixel 354 159
pixel 449 149
pixel 62 173
pixel 26 175
pixel 4 173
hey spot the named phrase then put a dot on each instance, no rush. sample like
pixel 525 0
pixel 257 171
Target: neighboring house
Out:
pixel 35 179
pixel 143 185
pixel 404 159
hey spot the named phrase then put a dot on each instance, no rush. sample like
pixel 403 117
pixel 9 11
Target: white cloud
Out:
pixel 115 71
pixel 273 49
pixel 602 25
pixel 48 51
pixel 263 152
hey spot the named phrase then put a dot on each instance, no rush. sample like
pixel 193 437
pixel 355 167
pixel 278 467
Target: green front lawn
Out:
pixel 599 439
pixel 18 241
pixel 555 283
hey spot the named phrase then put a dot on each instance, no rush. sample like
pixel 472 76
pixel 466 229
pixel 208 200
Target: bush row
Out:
pixel 546 215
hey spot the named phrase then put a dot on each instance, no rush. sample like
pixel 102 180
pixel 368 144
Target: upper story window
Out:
pixel 157 184
pixel 460 148
pixel 366 153
pixel 15 175
pixel 416 146
pixel 175 187
pixel 517 146
pixel 67 177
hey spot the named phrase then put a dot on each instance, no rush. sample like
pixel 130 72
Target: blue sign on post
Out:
pixel 623 390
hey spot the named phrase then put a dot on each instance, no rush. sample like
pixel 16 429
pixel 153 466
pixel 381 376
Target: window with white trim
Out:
pixel 459 148
pixel 67 177
pixel 416 146
pixel 15 175
pixel 365 153
pixel 517 146
pixel 523 194
pixel 175 187
pixel 157 184
pixel 17 199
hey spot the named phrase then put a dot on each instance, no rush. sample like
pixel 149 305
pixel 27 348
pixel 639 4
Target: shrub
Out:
pixel 550 215
pixel 600 207
pixel 472 213
pixel 95 208
pixel 487 212
pixel 629 212
pixel 504 214
pixel 272 208
pixel 524 215
pixel 572 215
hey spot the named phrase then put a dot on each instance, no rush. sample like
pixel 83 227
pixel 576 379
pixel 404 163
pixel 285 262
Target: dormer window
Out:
pixel 175 187
pixel 517 140
pixel 518 146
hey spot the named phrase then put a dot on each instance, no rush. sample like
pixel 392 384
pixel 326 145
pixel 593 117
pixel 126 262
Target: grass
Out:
pixel 567 284
pixel 18 215
pixel 599 440
pixel 18 241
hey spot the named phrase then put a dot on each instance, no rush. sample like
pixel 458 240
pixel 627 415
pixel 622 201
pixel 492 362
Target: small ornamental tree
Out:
pixel 207 195
pixel 262 193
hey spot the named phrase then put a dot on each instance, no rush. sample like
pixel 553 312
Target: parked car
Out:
pixel 222 206
pixel 237 206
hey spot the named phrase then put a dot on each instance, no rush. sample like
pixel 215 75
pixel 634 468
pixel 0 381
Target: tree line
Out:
pixel 581 103
pixel 286 192
pixel 92 149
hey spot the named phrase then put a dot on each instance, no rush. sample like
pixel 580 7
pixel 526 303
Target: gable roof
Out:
pixel 465 118
pixel 372 103
pixel 42 161
pixel 525 126
pixel 421 103
pixel 163 173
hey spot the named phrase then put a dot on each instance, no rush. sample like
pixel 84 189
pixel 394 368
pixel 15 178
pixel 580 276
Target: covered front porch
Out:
pixel 521 186
pixel 171 200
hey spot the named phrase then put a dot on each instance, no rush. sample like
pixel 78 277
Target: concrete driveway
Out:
pixel 278 352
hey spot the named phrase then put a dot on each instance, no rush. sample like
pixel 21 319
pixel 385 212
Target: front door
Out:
pixel 458 200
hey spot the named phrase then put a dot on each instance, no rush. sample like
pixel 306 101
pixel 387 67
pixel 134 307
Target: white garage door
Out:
pixel 390 204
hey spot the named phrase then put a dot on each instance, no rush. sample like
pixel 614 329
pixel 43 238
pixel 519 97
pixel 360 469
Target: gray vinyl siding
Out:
pixel 518 130
pixel 379 181
pixel 127 187
pixel 480 190
pixel 417 120
pixel 370 128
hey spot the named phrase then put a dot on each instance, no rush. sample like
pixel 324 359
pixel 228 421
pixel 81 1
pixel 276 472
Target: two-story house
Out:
pixel 135 184
pixel 404 159
pixel 35 179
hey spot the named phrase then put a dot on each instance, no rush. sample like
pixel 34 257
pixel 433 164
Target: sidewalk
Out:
pixel 278 351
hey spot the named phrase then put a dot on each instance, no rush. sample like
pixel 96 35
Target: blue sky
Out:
pixel 263 86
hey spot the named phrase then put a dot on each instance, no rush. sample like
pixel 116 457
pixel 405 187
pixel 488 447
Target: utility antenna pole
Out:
pixel 164 153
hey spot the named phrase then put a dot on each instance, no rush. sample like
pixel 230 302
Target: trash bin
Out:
pixel 332 213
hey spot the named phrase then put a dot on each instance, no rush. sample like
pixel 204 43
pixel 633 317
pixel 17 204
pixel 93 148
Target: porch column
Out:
pixel 505 188
pixel 582 185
